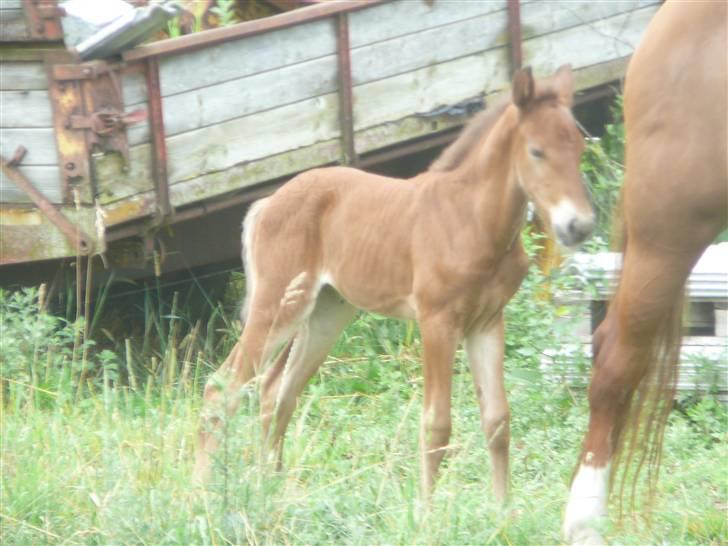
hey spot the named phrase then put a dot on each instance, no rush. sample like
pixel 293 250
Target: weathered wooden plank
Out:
pixel 223 145
pixel 22 76
pixel 539 18
pixel 241 97
pixel 45 178
pixel 39 143
pixel 12 25
pixel 11 52
pixel 219 147
pixel 586 45
pixel 247 56
pixel 113 182
pixel 11 4
pixel 27 235
pixel 25 109
pixel 392 19
pixel 426 89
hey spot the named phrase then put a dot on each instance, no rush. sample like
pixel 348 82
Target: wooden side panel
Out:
pixel 258 105
pixel 12 23
pixel 26 119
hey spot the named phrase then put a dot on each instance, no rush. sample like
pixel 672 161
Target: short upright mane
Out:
pixel 475 129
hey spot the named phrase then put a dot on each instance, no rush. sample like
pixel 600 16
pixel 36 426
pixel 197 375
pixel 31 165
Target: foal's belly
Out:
pixel 375 298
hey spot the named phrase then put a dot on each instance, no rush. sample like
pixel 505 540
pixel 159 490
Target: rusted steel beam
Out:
pixel 159 143
pixel 218 35
pixel 81 241
pixel 346 100
pixel 515 35
pixel 43 19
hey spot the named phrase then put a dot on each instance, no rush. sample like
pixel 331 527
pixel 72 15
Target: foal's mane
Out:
pixel 475 130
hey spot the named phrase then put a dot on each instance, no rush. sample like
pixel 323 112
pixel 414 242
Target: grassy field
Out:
pixel 97 444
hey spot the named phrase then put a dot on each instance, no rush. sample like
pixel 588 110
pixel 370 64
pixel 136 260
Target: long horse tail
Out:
pixel 639 446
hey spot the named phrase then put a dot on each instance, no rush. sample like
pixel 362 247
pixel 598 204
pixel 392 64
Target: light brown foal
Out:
pixel 442 248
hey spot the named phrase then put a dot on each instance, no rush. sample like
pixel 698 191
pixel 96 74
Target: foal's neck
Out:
pixel 490 176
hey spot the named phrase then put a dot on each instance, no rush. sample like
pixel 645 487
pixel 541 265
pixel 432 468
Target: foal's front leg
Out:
pixel 485 355
pixel 440 340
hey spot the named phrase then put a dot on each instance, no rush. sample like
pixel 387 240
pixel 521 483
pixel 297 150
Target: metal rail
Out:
pixel 191 42
pixel 73 233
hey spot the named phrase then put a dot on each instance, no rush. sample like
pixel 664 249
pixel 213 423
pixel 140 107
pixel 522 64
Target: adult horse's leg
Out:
pixel 485 355
pixel 285 381
pixel 646 309
pixel 439 340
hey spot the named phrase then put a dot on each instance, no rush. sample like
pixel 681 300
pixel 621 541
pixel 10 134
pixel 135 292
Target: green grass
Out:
pixel 115 468
pixel 98 437
pixel 110 464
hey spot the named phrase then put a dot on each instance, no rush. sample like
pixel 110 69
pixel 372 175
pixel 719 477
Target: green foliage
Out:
pixel 603 168
pixel 225 10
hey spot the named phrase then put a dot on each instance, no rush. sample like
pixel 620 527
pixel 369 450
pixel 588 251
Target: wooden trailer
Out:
pixel 158 151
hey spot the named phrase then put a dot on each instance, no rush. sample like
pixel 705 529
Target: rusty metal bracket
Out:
pixel 81 241
pixel 159 143
pixel 43 19
pixel 88 113
pixel 346 99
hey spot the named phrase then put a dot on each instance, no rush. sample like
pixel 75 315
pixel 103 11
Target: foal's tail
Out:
pixel 248 240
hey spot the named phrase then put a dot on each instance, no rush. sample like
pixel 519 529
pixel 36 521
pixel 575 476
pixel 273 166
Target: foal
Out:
pixel 442 248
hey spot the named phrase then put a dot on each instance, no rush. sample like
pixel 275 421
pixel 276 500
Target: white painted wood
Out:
pixel 242 97
pixel 247 56
pixel 39 143
pixel 46 179
pixel 392 19
pixel 539 18
pixel 11 4
pixel 12 25
pixel 25 109
pixel 21 76
pixel 585 45
pixel 223 145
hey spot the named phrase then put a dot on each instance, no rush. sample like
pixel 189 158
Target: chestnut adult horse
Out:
pixel 442 248
pixel 675 201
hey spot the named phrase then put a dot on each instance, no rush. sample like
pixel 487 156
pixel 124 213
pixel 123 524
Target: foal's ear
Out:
pixel 564 84
pixel 523 87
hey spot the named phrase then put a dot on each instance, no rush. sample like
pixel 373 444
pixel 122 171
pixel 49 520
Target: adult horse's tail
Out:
pixel 639 446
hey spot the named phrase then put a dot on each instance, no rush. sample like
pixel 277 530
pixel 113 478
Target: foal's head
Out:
pixel 547 147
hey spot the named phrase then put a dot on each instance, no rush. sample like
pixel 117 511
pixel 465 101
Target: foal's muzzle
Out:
pixel 571 226
pixel 574 231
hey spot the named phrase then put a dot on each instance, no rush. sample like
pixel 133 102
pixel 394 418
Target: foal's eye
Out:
pixel 536 153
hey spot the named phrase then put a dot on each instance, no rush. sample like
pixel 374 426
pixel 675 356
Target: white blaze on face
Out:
pixel 587 504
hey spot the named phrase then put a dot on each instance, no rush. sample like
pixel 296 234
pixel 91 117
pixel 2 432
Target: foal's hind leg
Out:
pixel 274 315
pixel 485 355
pixel 285 381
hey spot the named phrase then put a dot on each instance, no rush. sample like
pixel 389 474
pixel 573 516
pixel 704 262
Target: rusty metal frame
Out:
pixel 346 99
pixel 515 34
pixel 42 19
pixel 80 240
pixel 199 40
pixel 159 144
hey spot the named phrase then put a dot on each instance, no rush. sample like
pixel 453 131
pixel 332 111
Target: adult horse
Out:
pixel 675 198
pixel 442 248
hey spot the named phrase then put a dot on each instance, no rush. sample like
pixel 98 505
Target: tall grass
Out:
pixel 99 450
